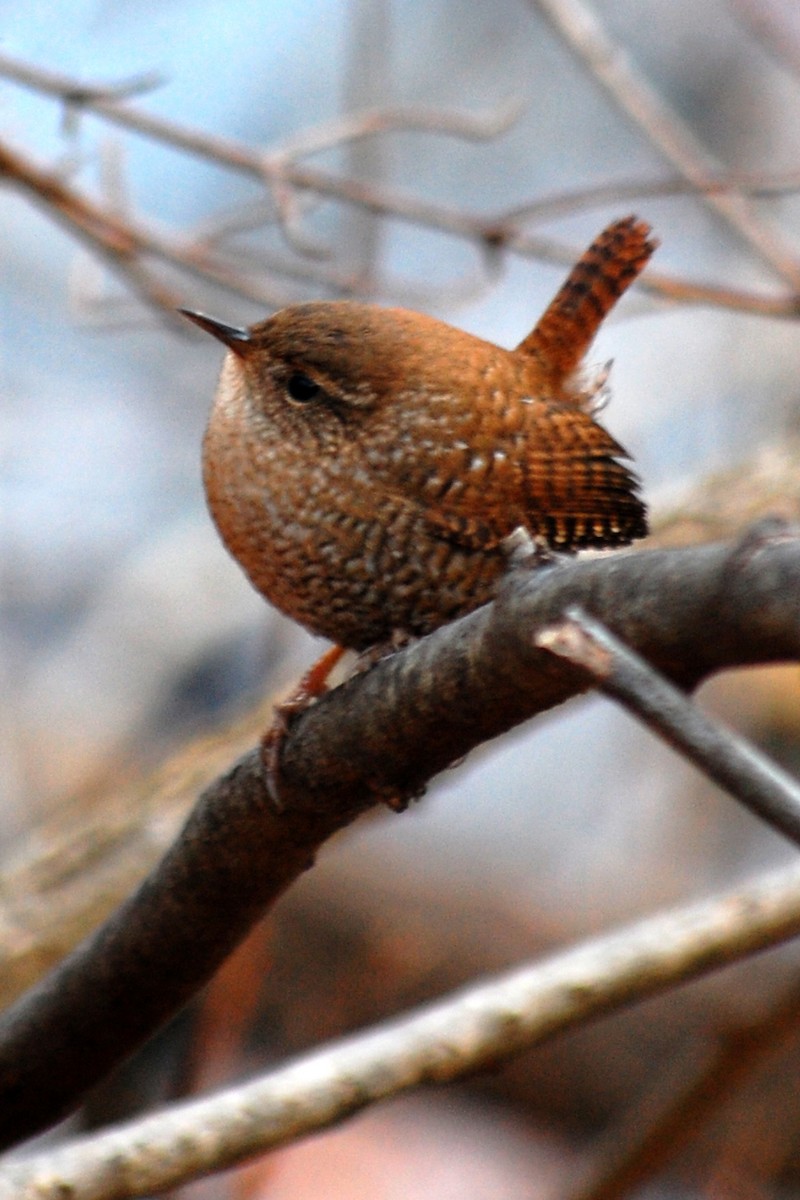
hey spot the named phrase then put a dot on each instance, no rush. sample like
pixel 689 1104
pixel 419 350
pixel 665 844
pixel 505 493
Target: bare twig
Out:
pixel 89 854
pixel 583 32
pixel 776 26
pixel 730 761
pixel 371 122
pixel 123 244
pixel 286 177
pixel 761 185
pixel 480 1026
pixel 113 239
pixel 265 167
pixel 481 126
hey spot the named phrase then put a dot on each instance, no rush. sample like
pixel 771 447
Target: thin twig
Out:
pixel 775 27
pixel 493 233
pixel 479 1026
pixel 761 186
pixel 578 24
pixel 371 122
pixel 238 156
pixel 107 235
pixel 123 244
pixel 769 792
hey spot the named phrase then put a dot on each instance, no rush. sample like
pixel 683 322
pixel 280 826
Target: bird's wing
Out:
pixel 548 467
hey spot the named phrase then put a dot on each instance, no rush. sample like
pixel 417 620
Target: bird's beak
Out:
pixel 233 336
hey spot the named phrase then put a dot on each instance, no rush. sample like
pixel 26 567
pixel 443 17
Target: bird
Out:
pixel 369 466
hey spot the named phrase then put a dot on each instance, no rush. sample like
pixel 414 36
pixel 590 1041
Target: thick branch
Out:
pixel 67 875
pixel 690 614
pixel 385 733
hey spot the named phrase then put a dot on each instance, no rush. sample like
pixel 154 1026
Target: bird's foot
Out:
pixel 527 550
pixel 307 692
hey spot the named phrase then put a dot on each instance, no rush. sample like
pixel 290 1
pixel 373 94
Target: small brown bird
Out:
pixel 365 465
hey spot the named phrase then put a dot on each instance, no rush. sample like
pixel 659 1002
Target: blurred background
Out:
pixel 126 628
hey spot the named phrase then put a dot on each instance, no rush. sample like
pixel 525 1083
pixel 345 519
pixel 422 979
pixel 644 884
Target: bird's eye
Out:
pixel 302 387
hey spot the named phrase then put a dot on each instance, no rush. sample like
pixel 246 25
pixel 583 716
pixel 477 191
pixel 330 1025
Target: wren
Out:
pixel 366 465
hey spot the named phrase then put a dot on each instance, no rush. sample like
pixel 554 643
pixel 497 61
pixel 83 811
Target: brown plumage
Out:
pixel 365 464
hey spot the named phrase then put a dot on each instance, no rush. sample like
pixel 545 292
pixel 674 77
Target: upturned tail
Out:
pixel 566 330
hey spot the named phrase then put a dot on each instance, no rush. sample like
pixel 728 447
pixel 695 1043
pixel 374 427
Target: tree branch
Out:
pixel 382 734
pixel 728 760
pixel 472 1029
pixel 583 32
pixel 284 178
pixel 67 875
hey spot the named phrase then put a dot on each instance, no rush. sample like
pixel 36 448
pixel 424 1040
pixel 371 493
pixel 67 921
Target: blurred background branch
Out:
pixel 293 188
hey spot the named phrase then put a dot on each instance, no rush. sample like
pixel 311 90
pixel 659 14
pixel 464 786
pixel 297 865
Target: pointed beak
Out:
pixel 233 336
